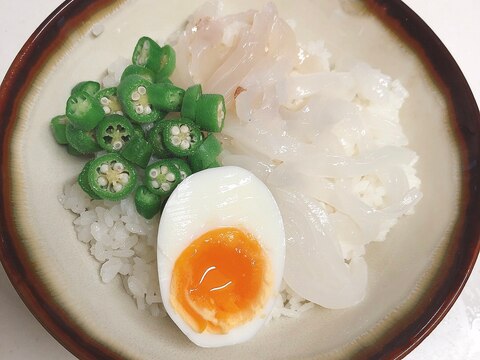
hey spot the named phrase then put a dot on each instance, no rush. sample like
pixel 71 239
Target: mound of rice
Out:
pixel 122 241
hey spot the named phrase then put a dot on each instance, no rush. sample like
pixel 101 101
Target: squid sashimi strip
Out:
pixel 329 165
pixel 250 48
pixel 314 266
pixel 327 84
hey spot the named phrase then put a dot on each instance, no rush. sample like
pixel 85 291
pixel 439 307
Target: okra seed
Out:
pixel 185 144
pixel 176 140
pixel 104 168
pixel 164 169
pixel 118 167
pixel 135 96
pixel 102 181
pixel 155 184
pixel 104 101
pixel 119 112
pixel 153 173
pixel 183 175
pixel 107 110
pixel 184 129
pixel 117 187
pixel 123 178
pixel 170 177
pixel 175 130
pixel 148 110
pixel 117 145
pixel 142 90
pixel 165 186
pixel 220 114
pixel 139 109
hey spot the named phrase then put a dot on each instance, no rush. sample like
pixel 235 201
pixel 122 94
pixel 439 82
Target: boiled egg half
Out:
pixel 221 254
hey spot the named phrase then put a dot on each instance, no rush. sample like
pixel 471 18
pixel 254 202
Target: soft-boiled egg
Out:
pixel 221 254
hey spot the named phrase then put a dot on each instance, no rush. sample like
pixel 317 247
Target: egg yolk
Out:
pixel 220 281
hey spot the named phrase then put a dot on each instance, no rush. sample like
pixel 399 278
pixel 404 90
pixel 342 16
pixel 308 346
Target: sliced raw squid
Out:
pixel 314 265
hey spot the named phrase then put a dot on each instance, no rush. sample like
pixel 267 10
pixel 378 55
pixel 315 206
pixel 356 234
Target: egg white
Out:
pixel 227 196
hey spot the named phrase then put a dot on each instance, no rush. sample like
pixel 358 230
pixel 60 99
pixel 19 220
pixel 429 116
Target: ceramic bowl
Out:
pixel 414 276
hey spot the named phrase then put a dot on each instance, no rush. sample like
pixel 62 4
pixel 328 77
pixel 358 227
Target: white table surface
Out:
pixel 458 335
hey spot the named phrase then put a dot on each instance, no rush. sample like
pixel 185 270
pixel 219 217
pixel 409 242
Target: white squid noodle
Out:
pixel 328 143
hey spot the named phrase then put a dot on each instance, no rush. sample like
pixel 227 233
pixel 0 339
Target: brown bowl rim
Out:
pixel 398 340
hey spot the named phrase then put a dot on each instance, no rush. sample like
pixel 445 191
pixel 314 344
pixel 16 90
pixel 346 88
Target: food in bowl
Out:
pixel 221 253
pixel 323 134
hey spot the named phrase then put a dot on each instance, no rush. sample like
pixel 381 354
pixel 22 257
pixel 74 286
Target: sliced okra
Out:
pixel 58 125
pixel 181 137
pixel 165 96
pixel 183 167
pixel 109 101
pixel 111 177
pixel 84 111
pixel 167 63
pixel 162 80
pixel 90 87
pixel 132 93
pixel 138 151
pixel 147 203
pixel 155 138
pixel 144 72
pixel 138 130
pixel 189 104
pixel 83 181
pixel 161 177
pixel 210 112
pixel 206 154
pixel 72 151
pixel 113 132
pixel 147 53
pixel 83 141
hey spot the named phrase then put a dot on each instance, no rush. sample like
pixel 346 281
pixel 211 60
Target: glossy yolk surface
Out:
pixel 220 281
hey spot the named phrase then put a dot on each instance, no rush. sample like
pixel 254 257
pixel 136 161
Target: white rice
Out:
pixel 122 241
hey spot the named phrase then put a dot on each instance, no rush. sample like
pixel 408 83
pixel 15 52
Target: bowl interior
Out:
pixel 401 269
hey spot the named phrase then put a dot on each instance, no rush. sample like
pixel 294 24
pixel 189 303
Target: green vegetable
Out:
pixel 165 96
pixel 82 141
pixel 83 181
pixel 138 70
pixel 167 62
pixel 138 151
pixel 181 137
pixel 162 177
pixel 206 154
pixel 183 167
pixel 162 80
pixel 132 93
pixel 128 123
pixel 111 177
pixel 58 125
pixel 109 101
pixel 90 87
pixel 147 203
pixel 192 94
pixel 138 130
pixel 147 53
pixel 155 138
pixel 113 132
pixel 72 151
pixel 210 112
pixel 215 164
pixel 84 111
